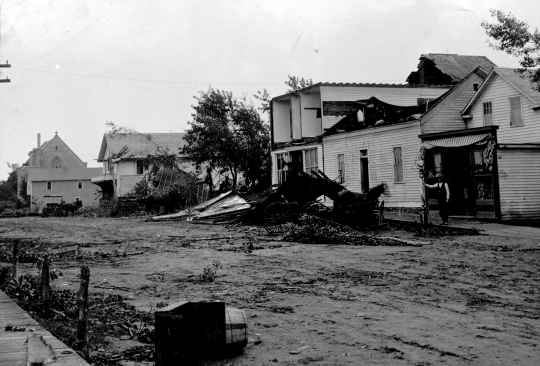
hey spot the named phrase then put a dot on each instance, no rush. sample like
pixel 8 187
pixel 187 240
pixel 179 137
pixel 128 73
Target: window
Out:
pixel 488 114
pixel 398 165
pixel 515 112
pixel 310 160
pixel 421 101
pixel 475 86
pixel 140 167
pixel 341 168
pixel 49 186
pixel 77 199
pixel 79 184
pixel 56 147
pixel 282 169
pixel 56 163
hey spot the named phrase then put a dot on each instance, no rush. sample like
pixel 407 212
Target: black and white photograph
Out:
pixel 257 183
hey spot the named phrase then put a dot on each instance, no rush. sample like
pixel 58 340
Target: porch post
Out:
pixel 496 191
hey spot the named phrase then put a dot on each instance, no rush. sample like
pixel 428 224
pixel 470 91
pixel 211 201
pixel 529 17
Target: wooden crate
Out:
pixel 189 331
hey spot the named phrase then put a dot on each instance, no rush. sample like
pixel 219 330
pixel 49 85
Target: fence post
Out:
pixel 15 259
pixel 82 323
pixel 45 286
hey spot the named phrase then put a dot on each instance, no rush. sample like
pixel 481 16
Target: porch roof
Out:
pixel 458 138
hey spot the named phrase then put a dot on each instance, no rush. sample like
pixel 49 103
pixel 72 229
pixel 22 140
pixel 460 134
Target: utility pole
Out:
pixel 6 80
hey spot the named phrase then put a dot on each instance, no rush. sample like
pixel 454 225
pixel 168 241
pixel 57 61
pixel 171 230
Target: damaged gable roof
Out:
pixel 453 65
pixel 379 113
pixel 141 145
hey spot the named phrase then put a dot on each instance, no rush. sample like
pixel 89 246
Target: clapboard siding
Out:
pixel 447 115
pixel 498 93
pixel 396 96
pixel 519 174
pixel 379 142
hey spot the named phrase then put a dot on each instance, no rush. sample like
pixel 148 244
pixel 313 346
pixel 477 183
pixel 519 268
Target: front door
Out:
pixel 364 171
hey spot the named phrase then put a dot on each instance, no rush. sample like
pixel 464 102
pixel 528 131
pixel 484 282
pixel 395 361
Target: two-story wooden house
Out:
pixel 299 119
pixel 53 169
pixel 123 156
pixel 507 102
pixel 402 145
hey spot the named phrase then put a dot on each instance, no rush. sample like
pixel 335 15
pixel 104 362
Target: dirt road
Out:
pixel 463 300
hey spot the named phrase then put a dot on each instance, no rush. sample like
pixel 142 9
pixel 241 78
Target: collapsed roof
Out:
pixel 446 69
pixel 378 113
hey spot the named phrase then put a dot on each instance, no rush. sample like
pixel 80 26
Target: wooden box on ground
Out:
pixel 189 331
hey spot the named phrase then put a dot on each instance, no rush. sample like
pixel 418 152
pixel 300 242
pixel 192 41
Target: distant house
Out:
pixel 124 171
pixel 54 169
pixel 299 119
pixel 446 69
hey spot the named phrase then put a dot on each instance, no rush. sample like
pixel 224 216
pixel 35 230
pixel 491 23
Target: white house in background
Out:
pixel 128 169
pixel 54 169
pixel 299 119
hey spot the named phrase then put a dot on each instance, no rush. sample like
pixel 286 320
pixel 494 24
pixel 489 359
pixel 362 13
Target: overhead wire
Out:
pixel 86 30
pixel 135 79
pixel 43 33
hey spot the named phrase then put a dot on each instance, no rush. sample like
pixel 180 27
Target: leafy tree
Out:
pixel 8 188
pixel 296 83
pixel 228 135
pixel 514 37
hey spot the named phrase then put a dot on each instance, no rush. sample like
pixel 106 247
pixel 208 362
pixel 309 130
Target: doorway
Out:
pixel 364 171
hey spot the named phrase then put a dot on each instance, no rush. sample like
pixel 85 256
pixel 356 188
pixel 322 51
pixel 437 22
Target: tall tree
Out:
pixel 514 37
pixel 228 135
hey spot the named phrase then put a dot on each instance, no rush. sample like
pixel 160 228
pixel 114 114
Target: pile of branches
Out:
pixel 314 230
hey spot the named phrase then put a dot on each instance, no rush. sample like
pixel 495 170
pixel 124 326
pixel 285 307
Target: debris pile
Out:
pixel 314 230
pixel 226 206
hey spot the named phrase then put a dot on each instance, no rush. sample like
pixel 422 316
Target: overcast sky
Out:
pixel 138 63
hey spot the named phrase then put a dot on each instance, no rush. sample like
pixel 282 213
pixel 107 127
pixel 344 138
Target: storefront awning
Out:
pixel 456 141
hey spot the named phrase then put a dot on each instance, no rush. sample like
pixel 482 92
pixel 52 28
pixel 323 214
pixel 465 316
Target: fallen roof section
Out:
pixel 225 205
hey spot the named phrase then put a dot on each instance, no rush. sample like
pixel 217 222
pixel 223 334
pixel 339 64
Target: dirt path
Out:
pixel 467 300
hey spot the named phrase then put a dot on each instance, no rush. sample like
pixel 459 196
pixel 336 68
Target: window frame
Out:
pixel 282 174
pixel 48 186
pixel 81 184
pixel 398 165
pixel 341 178
pixel 139 164
pixel 521 123
pixel 484 114
pixel 313 160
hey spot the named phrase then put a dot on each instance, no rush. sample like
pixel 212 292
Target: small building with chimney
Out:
pixel 53 169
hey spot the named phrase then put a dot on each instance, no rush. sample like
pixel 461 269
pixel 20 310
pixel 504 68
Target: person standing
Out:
pixel 443 196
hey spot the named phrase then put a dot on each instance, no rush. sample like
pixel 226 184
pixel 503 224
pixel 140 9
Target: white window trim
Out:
pixel 47 186
pixel 402 165
pixel 344 181
pixel 492 114
pixel 316 158
pixel 510 111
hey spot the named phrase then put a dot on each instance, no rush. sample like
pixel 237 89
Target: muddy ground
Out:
pixel 456 300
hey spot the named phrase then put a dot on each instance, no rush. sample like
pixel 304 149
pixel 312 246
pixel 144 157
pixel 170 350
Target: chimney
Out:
pixel 38 140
